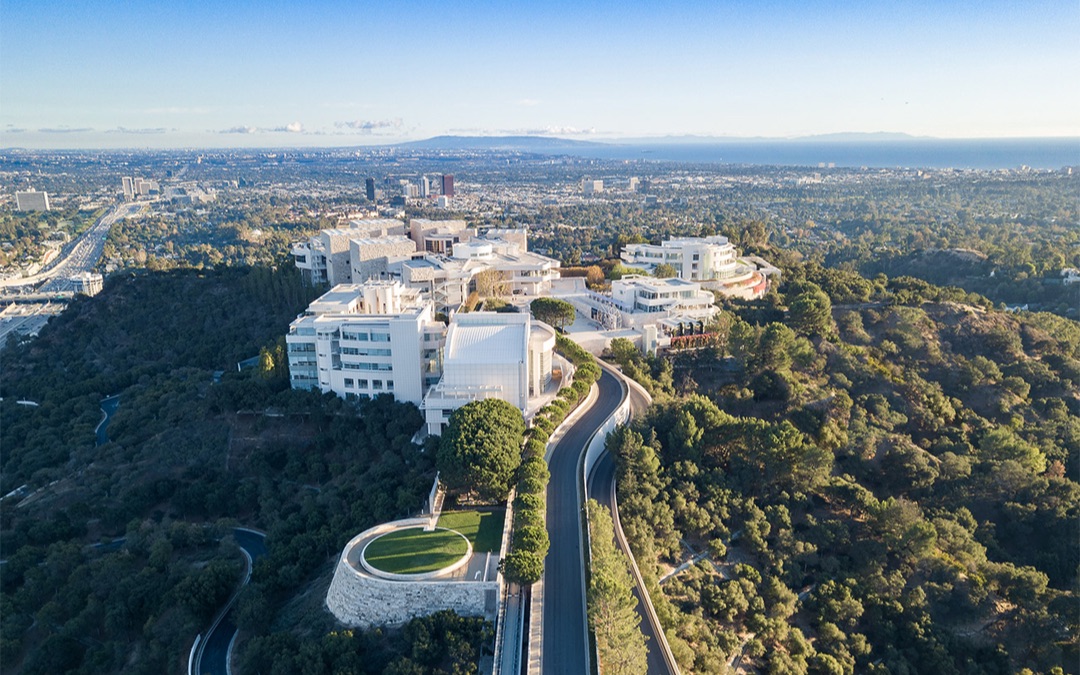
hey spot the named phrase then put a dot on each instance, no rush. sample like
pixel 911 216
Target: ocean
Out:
pixel 1041 153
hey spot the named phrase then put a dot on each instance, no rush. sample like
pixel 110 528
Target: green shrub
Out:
pixel 533 449
pixel 529 500
pixel 531 486
pixel 531 538
pixel 534 467
pixel 522 567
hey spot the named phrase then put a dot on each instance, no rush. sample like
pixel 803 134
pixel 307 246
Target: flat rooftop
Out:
pixel 672 282
pixel 340 299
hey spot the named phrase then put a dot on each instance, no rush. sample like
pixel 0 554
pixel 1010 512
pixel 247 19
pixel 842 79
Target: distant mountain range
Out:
pixel 548 143
pixel 496 143
pixel 878 149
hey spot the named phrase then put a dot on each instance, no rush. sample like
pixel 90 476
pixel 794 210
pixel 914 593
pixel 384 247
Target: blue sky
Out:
pixel 244 73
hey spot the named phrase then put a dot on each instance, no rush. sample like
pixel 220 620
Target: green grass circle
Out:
pixel 413 551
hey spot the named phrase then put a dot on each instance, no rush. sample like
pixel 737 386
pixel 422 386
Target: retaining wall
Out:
pixel 360 600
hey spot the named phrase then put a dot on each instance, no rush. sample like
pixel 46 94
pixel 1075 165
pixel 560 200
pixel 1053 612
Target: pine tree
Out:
pixel 612 606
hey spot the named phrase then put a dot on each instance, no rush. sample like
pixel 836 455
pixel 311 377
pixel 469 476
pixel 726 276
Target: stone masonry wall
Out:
pixel 359 600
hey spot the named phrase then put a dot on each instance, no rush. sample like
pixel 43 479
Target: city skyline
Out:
pixel 95 75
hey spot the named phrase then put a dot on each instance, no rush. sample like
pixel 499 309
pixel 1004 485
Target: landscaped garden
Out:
pixel 482 527
pixel 414 551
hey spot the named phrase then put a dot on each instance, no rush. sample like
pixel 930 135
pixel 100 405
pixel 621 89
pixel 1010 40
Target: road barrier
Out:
pixel 620 537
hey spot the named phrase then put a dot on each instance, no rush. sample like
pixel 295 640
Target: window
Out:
pixel 366 366
pixel 350 335
pixel 363 384
pixel 365 351
pixel 380 337
pixel 376 384
pixel 389 385
pixel 348 382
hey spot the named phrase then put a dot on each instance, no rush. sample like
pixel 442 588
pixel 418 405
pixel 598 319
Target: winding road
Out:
pixel 566 637
pixel 212 655
pixel 566 646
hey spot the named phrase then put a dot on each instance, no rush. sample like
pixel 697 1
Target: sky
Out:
pixel 246 73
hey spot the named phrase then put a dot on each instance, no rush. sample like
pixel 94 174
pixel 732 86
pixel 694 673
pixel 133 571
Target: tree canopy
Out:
pixel 665 271
pixel 552 311
pixel 481 447
pixel 612 607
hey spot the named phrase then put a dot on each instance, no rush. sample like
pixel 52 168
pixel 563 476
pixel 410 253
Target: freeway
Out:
pixel 82 256
pixel 212 656
pixel 566 641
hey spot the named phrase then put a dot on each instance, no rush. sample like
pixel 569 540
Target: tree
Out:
pixel 594 276
pixel 481 447
pixel 552 311
pixel 613 616
pixel 522 567
pixel 1003 444
pixel 811 312
pixel 491 283
pixel 266 363
pixel 665 271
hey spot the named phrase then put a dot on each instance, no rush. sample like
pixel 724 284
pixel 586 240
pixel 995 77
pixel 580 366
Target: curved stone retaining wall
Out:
pixel 361 600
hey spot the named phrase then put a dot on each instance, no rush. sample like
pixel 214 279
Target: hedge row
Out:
pixel 525 562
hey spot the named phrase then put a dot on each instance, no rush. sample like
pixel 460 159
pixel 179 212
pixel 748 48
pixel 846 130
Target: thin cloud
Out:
pixel 290 128
pixel 64 130
pixel 560 131
pixel 13 130
pixel 369 126
pixel 528 102
pixel 147 130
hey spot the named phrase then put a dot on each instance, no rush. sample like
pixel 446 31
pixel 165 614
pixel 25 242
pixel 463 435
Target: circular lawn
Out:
pixel 414 551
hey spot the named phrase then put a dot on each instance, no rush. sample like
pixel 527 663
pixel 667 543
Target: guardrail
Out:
pixel 504 587
pixel 191 655
pixel 620 537
pixel 535 652
pixel 195 657
pixel 593 451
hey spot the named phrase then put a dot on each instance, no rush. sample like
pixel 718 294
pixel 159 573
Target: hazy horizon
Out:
pixel 332 74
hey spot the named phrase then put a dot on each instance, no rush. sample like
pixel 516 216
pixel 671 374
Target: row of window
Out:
pixel 377 385
pixel 365 337
pixel 365 351
pixel 366 366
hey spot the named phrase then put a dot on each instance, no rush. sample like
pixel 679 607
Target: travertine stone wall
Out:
pixel 361 600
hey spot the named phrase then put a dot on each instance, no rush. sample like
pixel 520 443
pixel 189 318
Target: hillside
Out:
pixel 882 487
pixel 189 454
